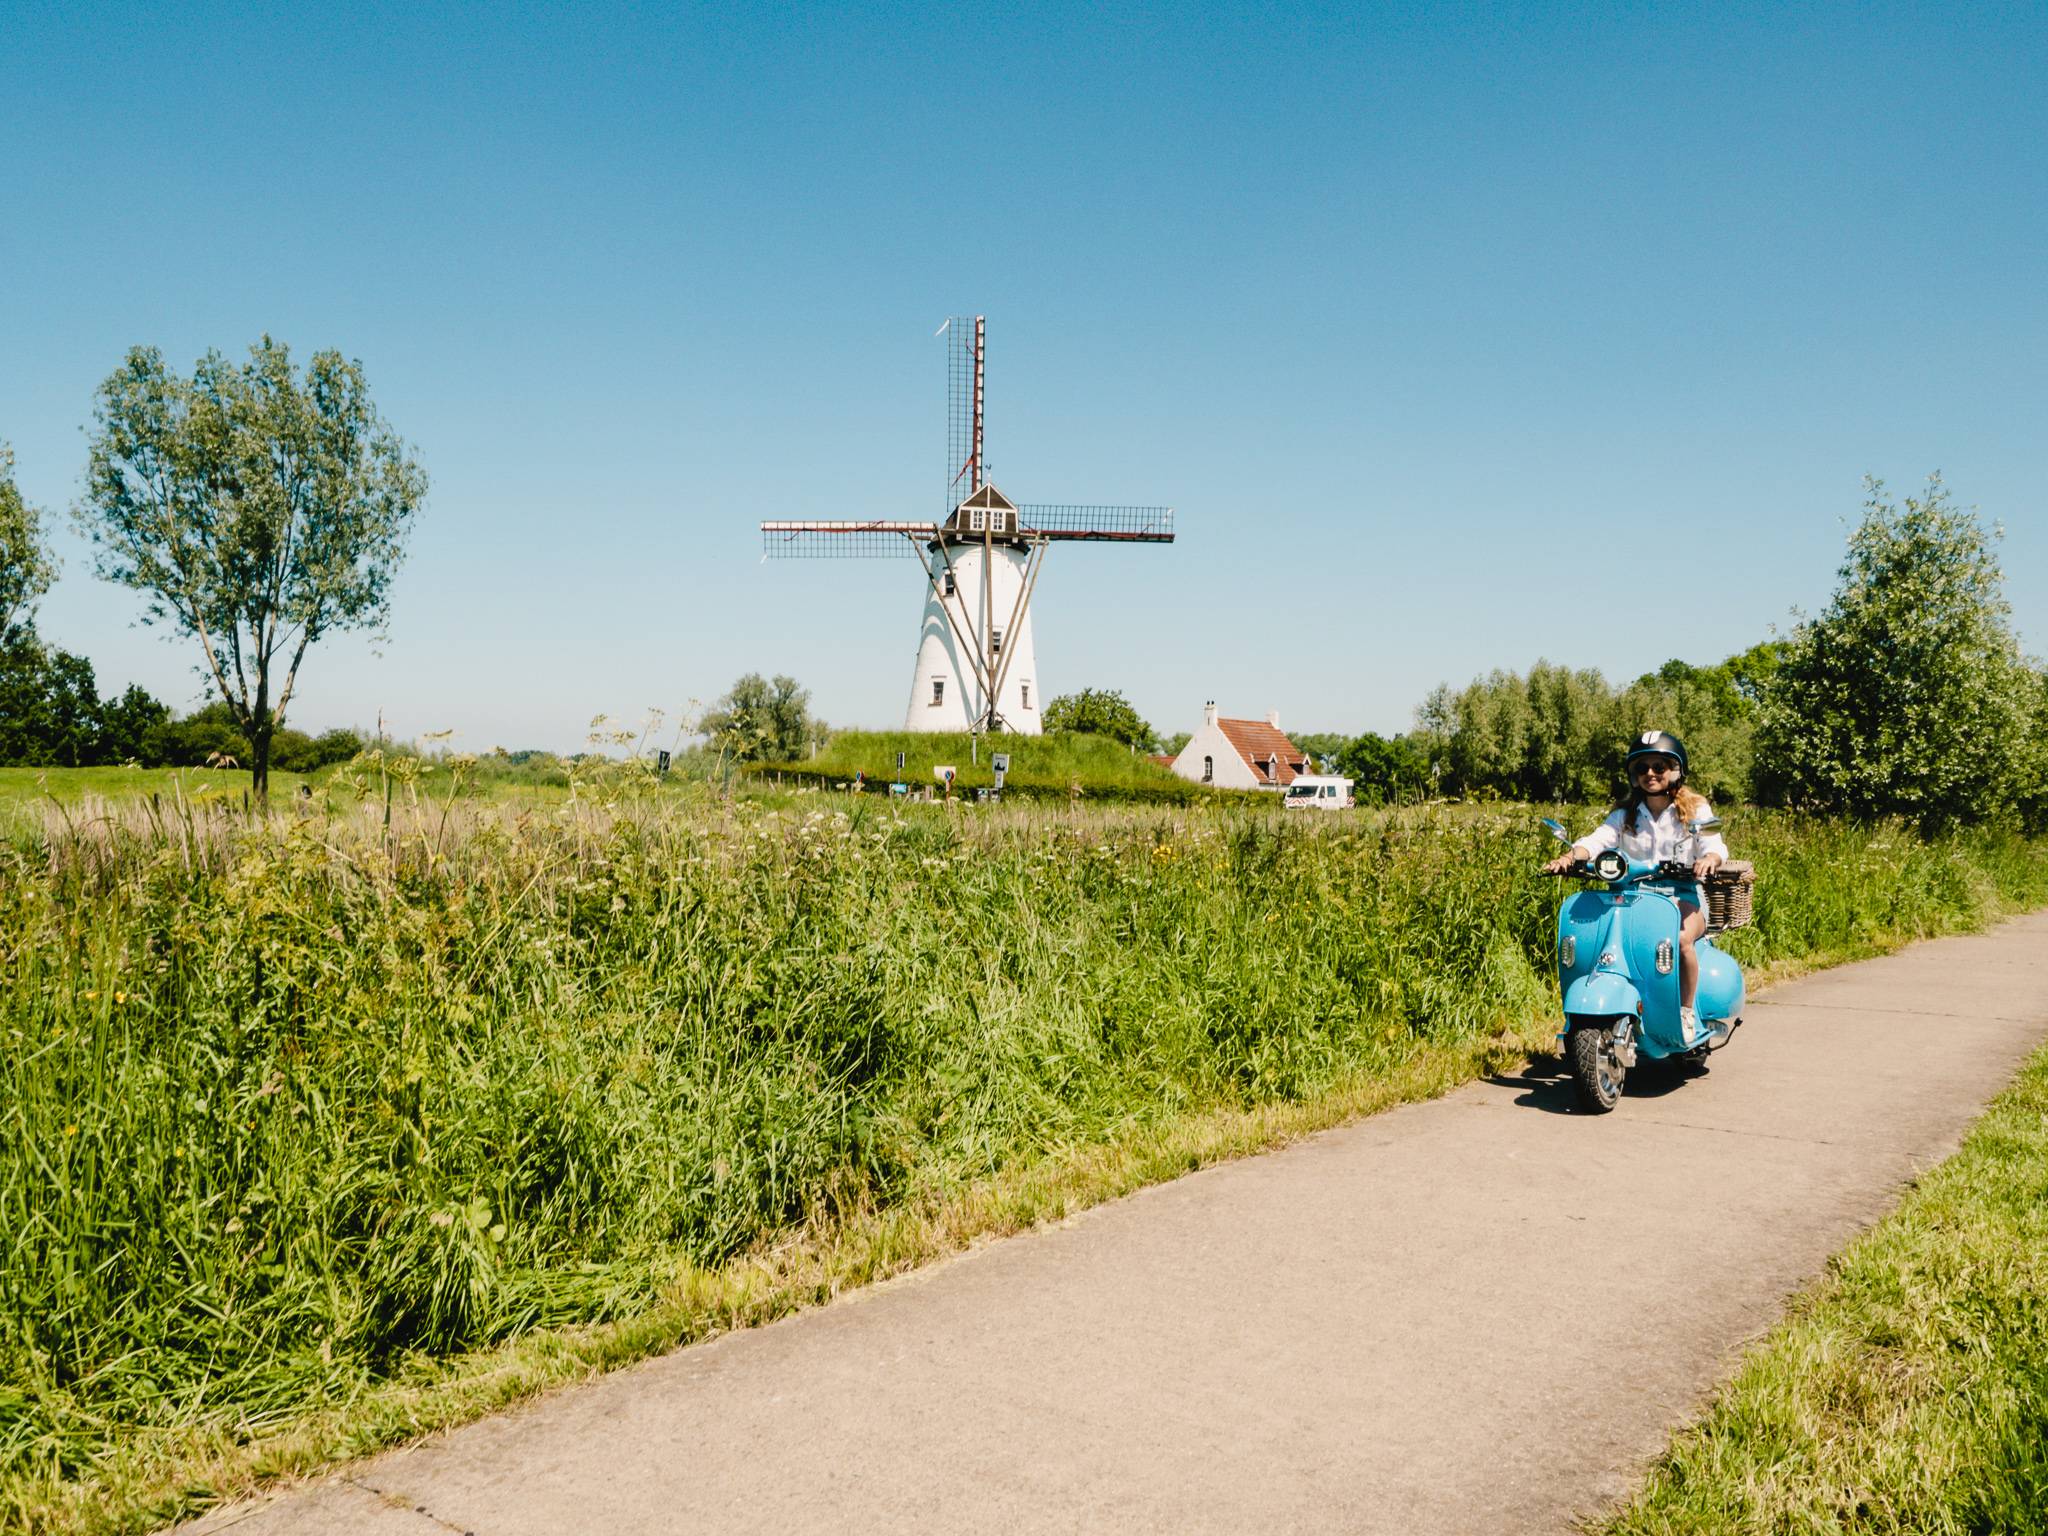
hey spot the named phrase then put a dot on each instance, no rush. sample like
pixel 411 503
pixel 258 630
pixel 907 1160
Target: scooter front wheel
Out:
pixel 1597 1072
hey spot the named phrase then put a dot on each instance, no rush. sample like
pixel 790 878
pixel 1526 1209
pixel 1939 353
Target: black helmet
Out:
pixel 1658 744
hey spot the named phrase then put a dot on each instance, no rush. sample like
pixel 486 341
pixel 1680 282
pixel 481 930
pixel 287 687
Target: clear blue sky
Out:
pixel 1424 318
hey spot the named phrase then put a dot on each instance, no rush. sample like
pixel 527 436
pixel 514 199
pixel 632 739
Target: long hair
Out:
pixel 1688 800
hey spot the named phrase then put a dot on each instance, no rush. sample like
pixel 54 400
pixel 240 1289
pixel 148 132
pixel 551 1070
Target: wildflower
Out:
pixel 71 1129
pixel 442 1219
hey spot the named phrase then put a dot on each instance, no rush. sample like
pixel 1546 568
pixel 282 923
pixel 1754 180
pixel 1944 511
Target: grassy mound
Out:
pixel 1040 766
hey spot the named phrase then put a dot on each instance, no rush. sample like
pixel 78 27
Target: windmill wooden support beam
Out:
pixel 981 561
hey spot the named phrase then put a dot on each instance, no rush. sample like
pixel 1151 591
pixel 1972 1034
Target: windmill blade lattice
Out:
pixel 1136 525
pixel 825 540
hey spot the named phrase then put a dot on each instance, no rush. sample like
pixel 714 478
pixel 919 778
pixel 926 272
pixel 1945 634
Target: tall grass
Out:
pixel 298 1106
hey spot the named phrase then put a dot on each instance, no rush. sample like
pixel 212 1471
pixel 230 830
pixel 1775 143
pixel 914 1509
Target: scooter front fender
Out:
pixel 1602 995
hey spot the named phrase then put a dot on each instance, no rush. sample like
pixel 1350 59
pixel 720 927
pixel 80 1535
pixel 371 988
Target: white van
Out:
pixel 1319 792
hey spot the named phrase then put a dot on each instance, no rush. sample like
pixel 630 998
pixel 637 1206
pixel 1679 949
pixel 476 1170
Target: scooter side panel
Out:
pixel 1722 993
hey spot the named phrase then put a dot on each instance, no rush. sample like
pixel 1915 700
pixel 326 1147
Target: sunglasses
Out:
pixel 1656 765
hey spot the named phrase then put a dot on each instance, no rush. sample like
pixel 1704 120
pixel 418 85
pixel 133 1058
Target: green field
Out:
pixel 326 1127
pixel 27 789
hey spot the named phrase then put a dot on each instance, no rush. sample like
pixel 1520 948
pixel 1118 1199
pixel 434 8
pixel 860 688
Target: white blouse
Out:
pixel 1655 838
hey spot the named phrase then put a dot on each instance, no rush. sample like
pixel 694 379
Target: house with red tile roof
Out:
pixel 1240 754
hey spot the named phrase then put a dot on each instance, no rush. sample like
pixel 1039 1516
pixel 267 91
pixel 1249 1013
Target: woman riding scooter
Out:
pixel 1650 825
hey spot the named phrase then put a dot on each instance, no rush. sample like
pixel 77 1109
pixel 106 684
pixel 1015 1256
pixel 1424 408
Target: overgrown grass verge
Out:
pixel 1907 1394
pixel 327 1131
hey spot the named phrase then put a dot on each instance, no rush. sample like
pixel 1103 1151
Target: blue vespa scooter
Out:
pixel 1617 967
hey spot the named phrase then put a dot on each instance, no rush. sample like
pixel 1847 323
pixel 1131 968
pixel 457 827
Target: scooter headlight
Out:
pixel 1610 865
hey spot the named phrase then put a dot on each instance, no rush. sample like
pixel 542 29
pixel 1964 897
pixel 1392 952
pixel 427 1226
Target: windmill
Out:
pixel 976 667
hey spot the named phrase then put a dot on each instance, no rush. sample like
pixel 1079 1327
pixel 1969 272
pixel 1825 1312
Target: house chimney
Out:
pixel 1209 713
pixel 1273 718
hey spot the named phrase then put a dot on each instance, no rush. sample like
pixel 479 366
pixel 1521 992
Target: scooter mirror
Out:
pixel 1556 830
pixel 1704 824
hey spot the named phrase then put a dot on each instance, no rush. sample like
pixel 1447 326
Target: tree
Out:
pixel 1099 712
pixel 25 563
pixel 1905 695
pixel 1540 737
pixel 2031 767
pixel 1555 734
pixel 1385 770
pixel 125 724
pixel 49 705
pixel 760 720
pixel 256 509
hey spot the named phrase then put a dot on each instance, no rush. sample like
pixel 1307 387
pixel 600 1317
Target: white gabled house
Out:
pixel 1240 754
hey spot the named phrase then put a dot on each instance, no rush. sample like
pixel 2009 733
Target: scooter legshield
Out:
pixel 1603 994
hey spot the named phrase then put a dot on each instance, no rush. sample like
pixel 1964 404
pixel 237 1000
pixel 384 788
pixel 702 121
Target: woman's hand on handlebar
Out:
pixel 1563 864
pixel 1706 864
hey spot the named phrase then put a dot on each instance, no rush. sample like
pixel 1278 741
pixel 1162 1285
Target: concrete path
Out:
pixel 1478 1314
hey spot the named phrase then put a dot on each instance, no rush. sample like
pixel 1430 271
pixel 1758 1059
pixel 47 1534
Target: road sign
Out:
pixel 1000 762
pixel 661 762
pixel 899 762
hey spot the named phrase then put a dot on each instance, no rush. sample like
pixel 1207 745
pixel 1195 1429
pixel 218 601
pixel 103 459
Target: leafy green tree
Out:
pixel 1099 712
pixel 1539 737
pixel 763 720
pixel 1555 734
pixel 209 734
pixel 1385 770
pixel 258 510
pixel 2030 766
pixel 125 724
pixel 296 752
pixel 1751 671
pixel 25 564
pixel 1908 695
pixel 49 706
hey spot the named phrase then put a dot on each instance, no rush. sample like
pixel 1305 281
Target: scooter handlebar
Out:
pixel 1667 869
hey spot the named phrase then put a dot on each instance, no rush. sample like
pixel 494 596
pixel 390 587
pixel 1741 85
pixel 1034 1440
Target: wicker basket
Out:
pixel 1729 890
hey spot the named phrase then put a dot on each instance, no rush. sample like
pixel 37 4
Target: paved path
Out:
pixel 1478 1314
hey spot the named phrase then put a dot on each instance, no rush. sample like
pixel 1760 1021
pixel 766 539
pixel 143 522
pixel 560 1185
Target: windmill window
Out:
pixel 1208 770
pixel 995 642
pixel 1027 695
pixel 938 692
pixel 951 586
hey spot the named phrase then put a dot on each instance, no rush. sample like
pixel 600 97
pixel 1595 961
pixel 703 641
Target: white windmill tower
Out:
pixel 976 667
